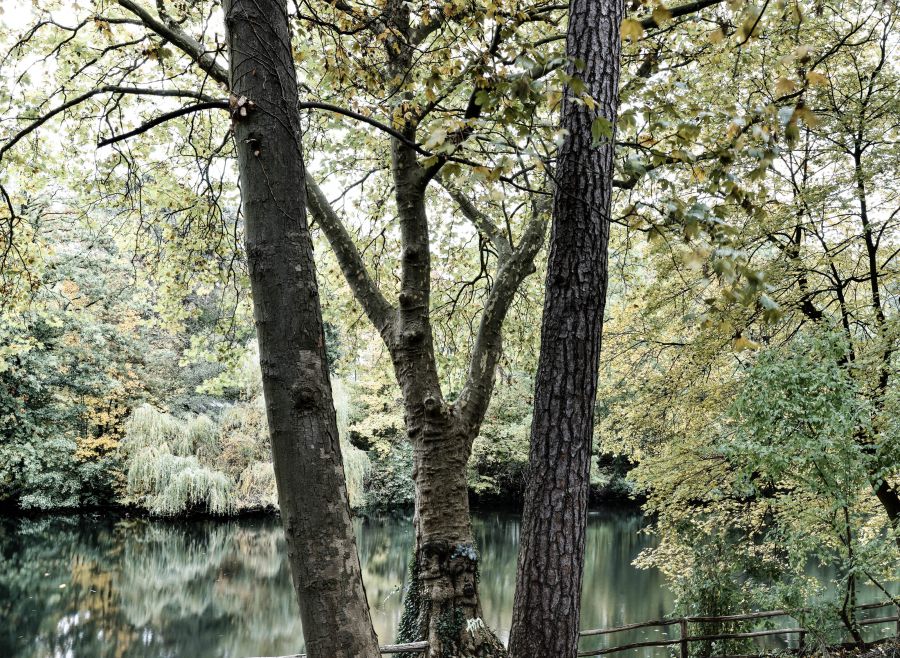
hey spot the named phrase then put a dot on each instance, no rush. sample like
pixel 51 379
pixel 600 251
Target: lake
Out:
pixel 101 585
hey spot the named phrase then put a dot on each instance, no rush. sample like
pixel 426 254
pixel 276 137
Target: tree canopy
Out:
pixel 748 378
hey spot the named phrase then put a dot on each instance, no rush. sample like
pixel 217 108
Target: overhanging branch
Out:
pixel 106 89
pixel 162 118
pixel 205 59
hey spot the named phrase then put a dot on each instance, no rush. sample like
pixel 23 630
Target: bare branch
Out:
pixel 107 89
pixel 682 10
pixel 481 221
pixel 162 118
pixel 396 134
pixel 474 398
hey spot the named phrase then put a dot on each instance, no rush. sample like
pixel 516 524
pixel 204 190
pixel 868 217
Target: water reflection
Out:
pixel 614 591
pixel 96 586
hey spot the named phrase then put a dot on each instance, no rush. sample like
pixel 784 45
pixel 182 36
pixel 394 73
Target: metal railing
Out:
pixel 386 649
pixel 685 638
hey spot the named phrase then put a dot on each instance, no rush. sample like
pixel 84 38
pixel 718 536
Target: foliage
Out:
pixel 65 386
pixel 750 350
pixel 390 486
pixel 165 474
pixel 759 419
pixel 499 462
pixel 178 465
pixel 792 488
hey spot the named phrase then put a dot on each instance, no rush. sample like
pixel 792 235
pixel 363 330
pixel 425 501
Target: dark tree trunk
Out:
pixel 551 554
pixel 887 495
pixel 309 470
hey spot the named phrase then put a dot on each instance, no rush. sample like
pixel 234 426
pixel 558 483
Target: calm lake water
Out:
pixel 98 586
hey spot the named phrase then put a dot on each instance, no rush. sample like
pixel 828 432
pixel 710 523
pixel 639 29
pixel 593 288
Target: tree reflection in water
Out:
pixel 101 586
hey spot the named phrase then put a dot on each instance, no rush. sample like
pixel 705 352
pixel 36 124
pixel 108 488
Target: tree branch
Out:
pixel 481 221
pixel 379 311
pixel 205 59
pixel 474 398
pixel 682 10
pixel 106 89
pixel 396 134
pixel 162 118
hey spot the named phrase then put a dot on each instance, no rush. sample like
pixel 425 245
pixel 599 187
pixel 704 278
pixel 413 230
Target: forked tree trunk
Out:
pixel 551 553
pixel 442 604
pixel 312 490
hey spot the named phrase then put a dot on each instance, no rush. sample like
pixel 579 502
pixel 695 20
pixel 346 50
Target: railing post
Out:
pixel 801 644
pixel 684 634
pixel 898 620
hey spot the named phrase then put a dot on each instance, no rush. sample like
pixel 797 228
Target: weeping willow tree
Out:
pixel 167 473
pixel 197 464
pixel 356 461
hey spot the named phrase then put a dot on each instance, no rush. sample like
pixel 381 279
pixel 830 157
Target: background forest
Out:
pixel 748 384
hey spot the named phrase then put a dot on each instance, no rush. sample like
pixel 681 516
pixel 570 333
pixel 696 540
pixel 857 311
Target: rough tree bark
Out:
pixel 442 603
pixel 888 495
pixel 551 553
pixel 309 469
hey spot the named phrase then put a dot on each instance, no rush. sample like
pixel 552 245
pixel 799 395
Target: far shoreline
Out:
pixel 8 511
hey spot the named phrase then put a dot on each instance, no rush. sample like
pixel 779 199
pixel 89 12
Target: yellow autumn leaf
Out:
pixel 816 79
pixel 661 15
pixel 807 116
pixel 632 30
pixel 742 343
pixel 716 36
pixel 785 86
pixel 802 53
pixel 694 259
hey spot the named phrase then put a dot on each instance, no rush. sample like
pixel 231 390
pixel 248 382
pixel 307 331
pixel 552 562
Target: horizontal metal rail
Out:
pixel 685 638
pixel 682 622
pixel 386 649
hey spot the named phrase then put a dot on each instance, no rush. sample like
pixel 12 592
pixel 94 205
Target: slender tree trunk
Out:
pixel 551 555
pixel 887 495
pixel 312 490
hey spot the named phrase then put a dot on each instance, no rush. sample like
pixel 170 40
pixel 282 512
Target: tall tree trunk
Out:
pixel 887 495
pixel 551 553
pixel 312 490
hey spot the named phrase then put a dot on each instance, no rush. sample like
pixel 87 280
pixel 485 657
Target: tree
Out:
pixel 697 342
pixel 309 470
pixel 546 612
